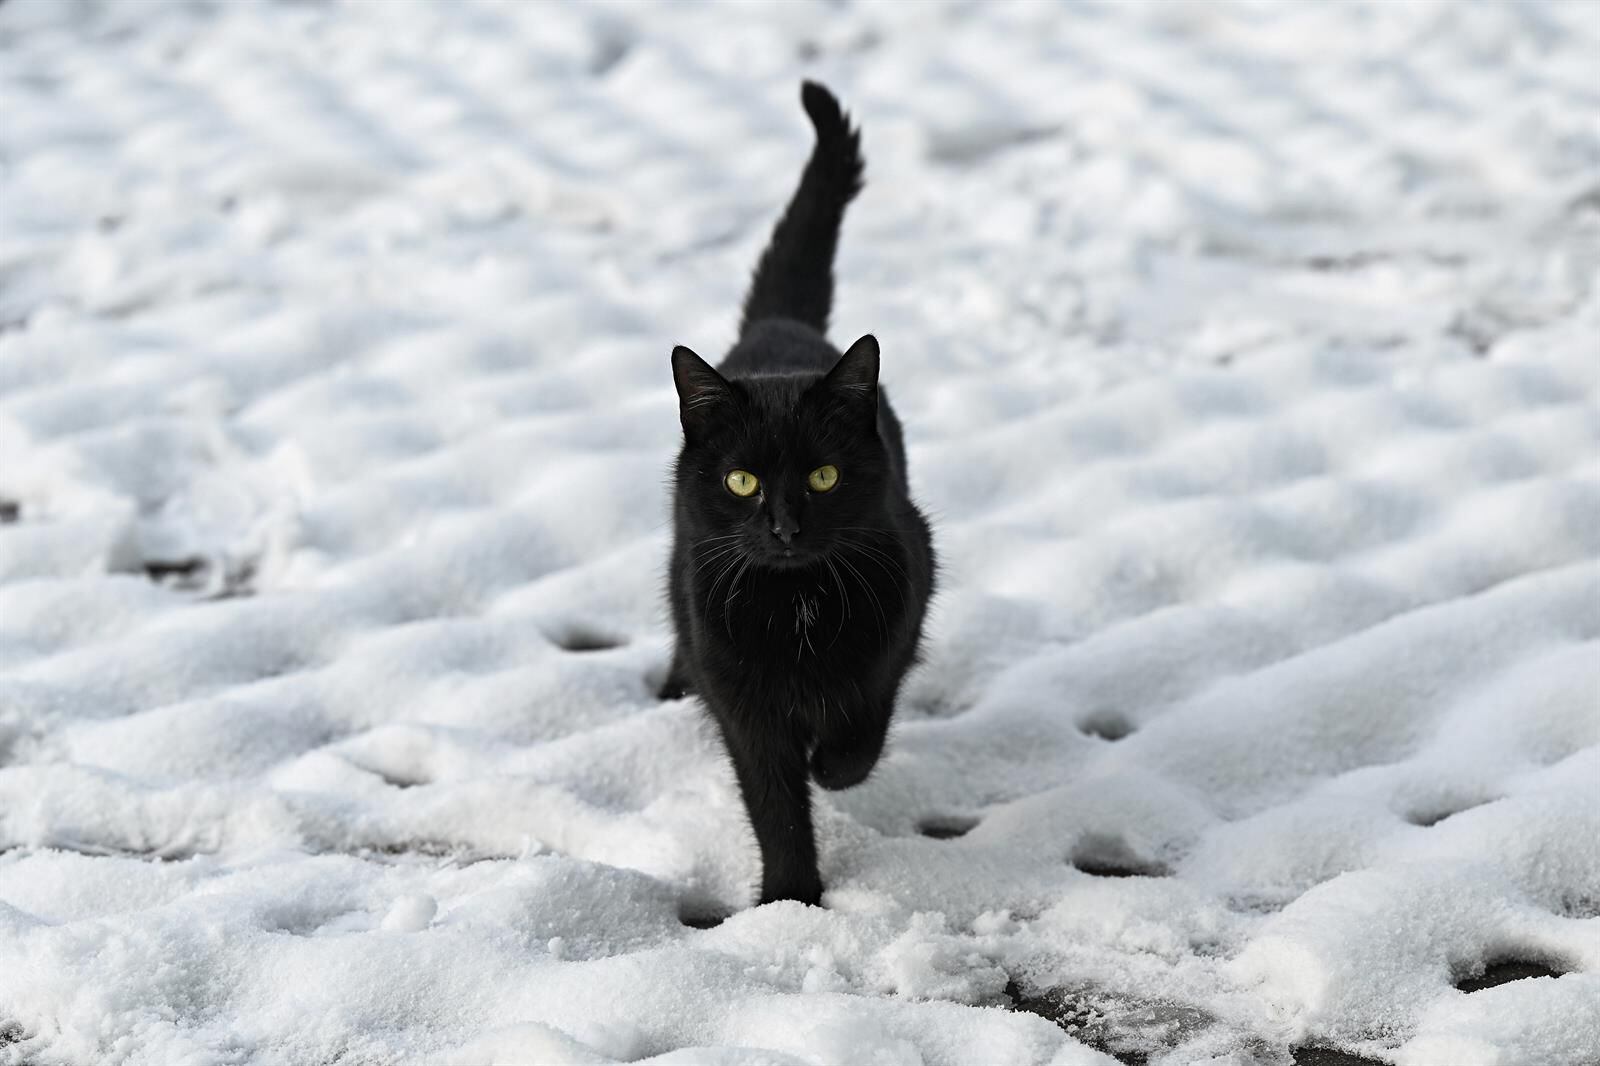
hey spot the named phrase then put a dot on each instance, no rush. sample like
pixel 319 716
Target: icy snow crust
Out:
pixel 1248 357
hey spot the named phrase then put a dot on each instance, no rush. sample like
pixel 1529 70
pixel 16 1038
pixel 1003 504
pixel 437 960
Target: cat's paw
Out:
pixel 836 768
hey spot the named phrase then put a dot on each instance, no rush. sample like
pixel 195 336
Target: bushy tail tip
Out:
pixel 824 110
pixel 836 140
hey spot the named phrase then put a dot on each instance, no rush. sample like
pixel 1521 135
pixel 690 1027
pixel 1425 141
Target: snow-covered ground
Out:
pixel 1249 360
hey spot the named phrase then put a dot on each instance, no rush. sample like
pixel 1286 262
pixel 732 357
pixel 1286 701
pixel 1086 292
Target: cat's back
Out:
pixel 779 346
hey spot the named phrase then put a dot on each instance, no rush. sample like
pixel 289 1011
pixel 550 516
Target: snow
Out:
pixel 1250 362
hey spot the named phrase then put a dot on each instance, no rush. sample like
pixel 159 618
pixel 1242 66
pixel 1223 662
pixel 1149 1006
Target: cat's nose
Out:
pixel 785 529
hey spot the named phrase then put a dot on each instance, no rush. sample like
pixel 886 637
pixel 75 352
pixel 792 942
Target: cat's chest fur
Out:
pixel 795 645
pixel 808 620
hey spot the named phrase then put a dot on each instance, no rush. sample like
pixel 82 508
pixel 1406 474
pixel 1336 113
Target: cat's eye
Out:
pixel 741 482
pixel 823 478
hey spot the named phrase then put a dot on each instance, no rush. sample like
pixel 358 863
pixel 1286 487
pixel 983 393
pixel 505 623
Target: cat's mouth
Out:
pixel 788 558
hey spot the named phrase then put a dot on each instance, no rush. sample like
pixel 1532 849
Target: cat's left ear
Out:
pixel 855 375
pixel 703 394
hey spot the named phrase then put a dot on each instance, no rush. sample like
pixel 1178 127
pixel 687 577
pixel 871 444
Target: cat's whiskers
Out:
pixel 712 548
pixel 883 560
pixel 866 586
pixel 716 556
pixel 727 601
pixel 710 544
pixel 727 568
pixel 839 584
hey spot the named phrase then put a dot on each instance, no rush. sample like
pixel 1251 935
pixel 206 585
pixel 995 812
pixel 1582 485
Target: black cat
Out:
pixel 800 568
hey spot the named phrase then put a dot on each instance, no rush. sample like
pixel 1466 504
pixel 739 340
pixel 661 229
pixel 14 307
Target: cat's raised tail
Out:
pixel 794 278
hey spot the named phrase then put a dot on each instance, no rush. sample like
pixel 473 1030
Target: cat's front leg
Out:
pixel 849 744
pixel 769 760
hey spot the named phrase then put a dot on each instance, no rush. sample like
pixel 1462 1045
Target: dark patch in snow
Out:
pixel 298 919
pixel 1104 856
pixel 1327 1056
pixel 1360 259
pixel 1107 725
pixel 1257 903
pixel 939 705
pixel 1504 972
pixel 166 853
pixel 609 52
pixel 1212 948
pixel 1579 905
pixel 237 581
pixel 179 573
pixel 1347 261
pixel 809 49
pixel 10 511
pixel 581 638
pixel 417 853
pixel 697 916
pixel 1129 1030
pixel 194 574
pixel 1585 203
pixel 1473 330
pixel 398 780
pixel 946 826
pixel 433 849
pixel 972 144
pixel 1483 326
pixel 1429 816
pixel 11 1032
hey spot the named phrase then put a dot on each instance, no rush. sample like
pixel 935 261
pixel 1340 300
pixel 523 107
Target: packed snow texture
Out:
pixel 1248 356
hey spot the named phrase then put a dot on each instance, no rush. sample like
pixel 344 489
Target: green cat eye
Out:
pixel 823 478
pixel 741 482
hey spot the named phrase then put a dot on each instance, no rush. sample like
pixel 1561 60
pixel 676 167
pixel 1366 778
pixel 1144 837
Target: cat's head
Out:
pixel 781 470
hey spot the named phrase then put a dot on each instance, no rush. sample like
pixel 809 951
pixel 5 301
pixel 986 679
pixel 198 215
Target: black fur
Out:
pixel 797 612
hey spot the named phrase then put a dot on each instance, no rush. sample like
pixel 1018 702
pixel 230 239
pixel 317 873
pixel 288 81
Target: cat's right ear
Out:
pixel 703 394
